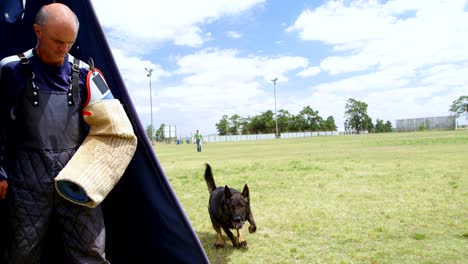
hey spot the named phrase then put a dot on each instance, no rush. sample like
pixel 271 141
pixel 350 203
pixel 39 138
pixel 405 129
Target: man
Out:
pixel 42 94
pixel 198 138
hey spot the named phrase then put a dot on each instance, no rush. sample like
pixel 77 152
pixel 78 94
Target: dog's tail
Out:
pixel 209 178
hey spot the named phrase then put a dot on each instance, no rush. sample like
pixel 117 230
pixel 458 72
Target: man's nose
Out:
pixel 65 47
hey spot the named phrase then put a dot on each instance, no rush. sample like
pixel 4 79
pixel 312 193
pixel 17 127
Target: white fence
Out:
pixel 228 138
pixel 309 134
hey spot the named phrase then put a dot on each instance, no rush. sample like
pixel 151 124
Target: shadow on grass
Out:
pixel 217 255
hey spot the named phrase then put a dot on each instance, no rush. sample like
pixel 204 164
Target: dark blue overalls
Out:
pixel 45 130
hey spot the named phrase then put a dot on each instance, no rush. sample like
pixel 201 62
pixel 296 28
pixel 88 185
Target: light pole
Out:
pixel 276 116
pixel 150 71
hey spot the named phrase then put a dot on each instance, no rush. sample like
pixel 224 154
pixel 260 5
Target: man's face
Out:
pixel 54 42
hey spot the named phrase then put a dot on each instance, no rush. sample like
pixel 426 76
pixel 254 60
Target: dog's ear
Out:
pixel 245 191
pixel 227 192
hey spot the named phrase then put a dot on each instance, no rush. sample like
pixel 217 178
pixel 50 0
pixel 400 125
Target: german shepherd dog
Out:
pixel 229 209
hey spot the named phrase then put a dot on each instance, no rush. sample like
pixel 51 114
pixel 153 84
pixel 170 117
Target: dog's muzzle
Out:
pixel 238 223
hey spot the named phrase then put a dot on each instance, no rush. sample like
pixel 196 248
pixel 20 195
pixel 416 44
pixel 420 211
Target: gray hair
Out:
pixel 42 15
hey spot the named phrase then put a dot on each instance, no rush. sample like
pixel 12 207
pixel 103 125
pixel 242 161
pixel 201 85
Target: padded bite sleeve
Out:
pixel 101 160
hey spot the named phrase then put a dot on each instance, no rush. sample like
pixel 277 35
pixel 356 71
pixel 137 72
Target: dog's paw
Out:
pixel 218 245
pixel 241 244
pixel 252 228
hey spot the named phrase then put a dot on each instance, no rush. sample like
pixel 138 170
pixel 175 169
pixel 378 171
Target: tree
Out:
pixel 260 124
pixel 245 125
pixel 329 124
pixel 159 135
pixel 268 118
pixel 460 106
pixel 356 116
pixel 313 120
pixel 388 127
pixel 368 125
pixel 284 120
pixel 307 120
pixel 256 125
pixel 381 127
pixel 297 123
pixel 223 126
pixel 234 124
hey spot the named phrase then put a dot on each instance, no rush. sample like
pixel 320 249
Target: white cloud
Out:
pixel 156 21
pixel 335 23
pixel 366 33
pixel 217 82
pixel 311 71
pixel 234 34
pixel 134 67
pixel 137 81
pixel 213 65
pixel 339 64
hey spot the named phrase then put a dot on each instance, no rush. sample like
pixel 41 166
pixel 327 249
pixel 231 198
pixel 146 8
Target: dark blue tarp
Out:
pixel 145 222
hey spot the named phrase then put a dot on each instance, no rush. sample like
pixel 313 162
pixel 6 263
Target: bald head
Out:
pixel 56 13
pixel 56 28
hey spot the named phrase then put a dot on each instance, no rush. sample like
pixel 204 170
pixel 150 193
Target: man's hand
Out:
pixel 3 189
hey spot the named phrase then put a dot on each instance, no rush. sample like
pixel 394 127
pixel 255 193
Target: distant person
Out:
pixel 198 138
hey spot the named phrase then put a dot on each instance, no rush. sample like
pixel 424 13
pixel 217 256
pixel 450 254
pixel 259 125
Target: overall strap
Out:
pixel 31 85
pixel 73 91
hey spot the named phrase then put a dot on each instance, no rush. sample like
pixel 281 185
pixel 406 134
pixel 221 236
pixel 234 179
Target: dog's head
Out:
pixel 238 205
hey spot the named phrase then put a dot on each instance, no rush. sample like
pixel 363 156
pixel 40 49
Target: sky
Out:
pixel 404 58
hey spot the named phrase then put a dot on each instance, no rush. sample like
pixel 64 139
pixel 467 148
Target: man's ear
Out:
pixel 37 30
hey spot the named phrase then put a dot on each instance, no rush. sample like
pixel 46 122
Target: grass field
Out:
pixel 379 198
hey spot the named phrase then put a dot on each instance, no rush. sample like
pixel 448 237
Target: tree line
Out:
pixel 307 119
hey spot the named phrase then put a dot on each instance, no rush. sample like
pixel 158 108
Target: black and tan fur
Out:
pixel 229 209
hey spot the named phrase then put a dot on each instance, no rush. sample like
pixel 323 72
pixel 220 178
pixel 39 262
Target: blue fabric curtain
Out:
pixel 11 10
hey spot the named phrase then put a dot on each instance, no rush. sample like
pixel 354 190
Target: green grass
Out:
pixel 380 198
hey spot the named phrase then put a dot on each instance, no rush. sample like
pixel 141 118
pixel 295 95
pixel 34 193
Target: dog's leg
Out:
pixel 242 242
pixel 246 195
pixel 234 240
pixel 238 241
pixel 220 242
pixel 253 226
